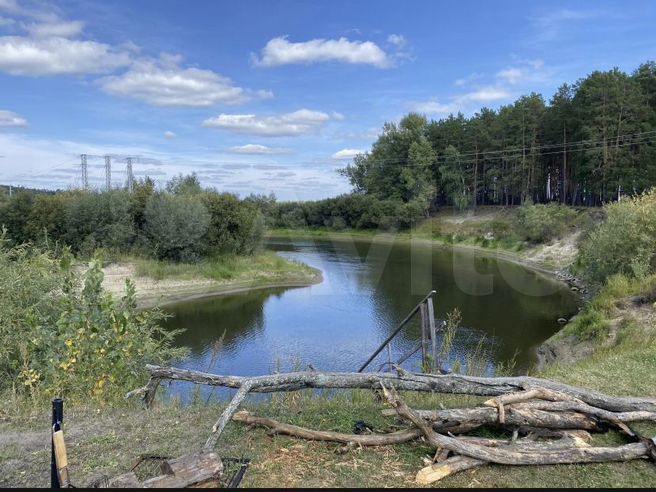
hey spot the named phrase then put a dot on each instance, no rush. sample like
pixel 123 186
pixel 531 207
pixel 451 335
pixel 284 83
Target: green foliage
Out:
pixel 182 224
pixel 175 226
pixel 234 227
pixel 541 223
pixel 624 242
pixel 347 212
pixel 523 152
pixel 59 338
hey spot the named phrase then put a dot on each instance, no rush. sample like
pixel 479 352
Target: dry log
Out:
pixel 447 383
pixel 227 415
pixel 398 437
pixel 451 466
pixel 517 457
pixel 446 420
pixel 314 435
pixel 574 406
pixel 532 394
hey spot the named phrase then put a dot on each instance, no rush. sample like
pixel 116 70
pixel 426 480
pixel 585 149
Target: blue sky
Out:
pixel 262 96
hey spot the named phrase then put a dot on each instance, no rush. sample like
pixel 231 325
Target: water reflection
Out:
pixel 367 289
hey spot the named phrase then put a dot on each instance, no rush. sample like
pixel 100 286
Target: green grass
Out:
pixel 263 267
pixel 108 440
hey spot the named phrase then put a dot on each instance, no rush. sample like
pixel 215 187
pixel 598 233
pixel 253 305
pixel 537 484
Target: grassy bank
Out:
pixel 263 267
pixel 107 441
pixel 161 282
pixel 612 348
pixel 493 230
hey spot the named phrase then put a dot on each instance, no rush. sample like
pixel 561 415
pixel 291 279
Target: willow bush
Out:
pixel 625 243
pixel 66 339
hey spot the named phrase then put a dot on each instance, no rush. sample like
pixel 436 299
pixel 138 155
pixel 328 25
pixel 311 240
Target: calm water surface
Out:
pixel 367 288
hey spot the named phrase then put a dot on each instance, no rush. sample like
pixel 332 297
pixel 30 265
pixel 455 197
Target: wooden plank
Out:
pixel 190 470
pixel 433 333
pixel 61 459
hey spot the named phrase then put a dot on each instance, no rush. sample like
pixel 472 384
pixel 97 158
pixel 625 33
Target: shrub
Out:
pixel 541 223
pixel 60 339
pixel 624 242
pixel 175 226
pixel 235 227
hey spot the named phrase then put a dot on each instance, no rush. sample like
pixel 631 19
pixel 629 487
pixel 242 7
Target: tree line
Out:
pixel 183 222
pixel 594 142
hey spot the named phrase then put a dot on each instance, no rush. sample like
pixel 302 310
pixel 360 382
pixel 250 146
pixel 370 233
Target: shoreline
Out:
pixel 557 273
pixel 153 293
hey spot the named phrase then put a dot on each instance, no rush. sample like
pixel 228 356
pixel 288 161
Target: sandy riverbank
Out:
pixel 152 292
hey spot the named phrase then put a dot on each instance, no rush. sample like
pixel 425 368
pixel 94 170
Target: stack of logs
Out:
pixel 550 423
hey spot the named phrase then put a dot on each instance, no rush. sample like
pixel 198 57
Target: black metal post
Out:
pixel 57 419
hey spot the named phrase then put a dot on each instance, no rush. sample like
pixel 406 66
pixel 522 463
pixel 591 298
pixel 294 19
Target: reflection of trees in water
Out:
pixel 240 316
pixel 514 308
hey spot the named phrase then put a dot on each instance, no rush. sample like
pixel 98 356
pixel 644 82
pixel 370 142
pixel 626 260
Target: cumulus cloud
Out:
pixel 169 135
pixel 301 122
pixel 10 119
pixel 46 46
pixel 163 82
pixel 61 29
pixel 397 40
pixel 280 51
pixel 256 149
pixel 529 70
pixel 347 153
pixel 57 56
pixel 486 94
pixel 433 106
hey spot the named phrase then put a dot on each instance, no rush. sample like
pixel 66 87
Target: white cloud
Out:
pixel 433 106
pixel 512 75
pixel 11 119
pixel 397 40
pixel 163 82
pixel 530 70
pixel 279 51
pixel 62 29
pixel 57 56
pixel 169 135
pixel 337 116
pixel 347 153
pixel 256 149
pixel 552 24
pixel 485 95
pixel 301 122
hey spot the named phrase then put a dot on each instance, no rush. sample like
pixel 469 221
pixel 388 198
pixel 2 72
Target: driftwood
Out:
pixel 556 418
pixel 435 383
pixel 473 418
pixel 276 427
pixel 517 457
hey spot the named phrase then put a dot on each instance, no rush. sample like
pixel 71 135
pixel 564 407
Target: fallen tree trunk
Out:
pixel 442 420
pixel 399 437
pixel 510 456
pixel 391 438
pixel 448 383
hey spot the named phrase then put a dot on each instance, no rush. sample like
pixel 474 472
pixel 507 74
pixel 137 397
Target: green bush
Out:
pixel 175 226
pixel 541 223
pixel 235 227
pixel 62 339
pixel 625 242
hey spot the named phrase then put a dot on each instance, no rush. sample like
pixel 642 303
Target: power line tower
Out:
pixel 130 177
pixel 108 173
pixel 85 176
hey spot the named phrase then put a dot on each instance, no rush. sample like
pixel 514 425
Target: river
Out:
pixel 507 310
